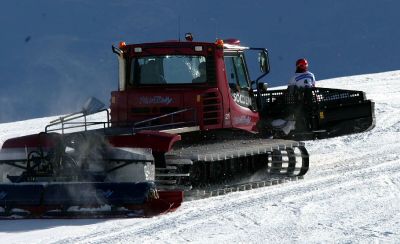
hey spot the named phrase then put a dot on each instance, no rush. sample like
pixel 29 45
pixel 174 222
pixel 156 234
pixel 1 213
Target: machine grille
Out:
pixel 212 108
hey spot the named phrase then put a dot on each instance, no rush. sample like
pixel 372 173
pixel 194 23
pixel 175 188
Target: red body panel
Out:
pixel 212 102
pixel 32 141
pixel 157 141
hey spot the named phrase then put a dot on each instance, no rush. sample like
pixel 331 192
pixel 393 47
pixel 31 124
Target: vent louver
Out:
pixel 212 108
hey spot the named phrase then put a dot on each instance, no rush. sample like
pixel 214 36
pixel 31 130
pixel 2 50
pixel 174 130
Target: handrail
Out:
pixel 66 122
pixel 164 116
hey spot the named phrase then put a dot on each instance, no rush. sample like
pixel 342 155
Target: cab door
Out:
pixel 238 80
pixel 242 102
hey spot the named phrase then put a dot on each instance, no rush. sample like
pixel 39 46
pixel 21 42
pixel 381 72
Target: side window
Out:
pixel 237 77
pixel 236 72
pixel 241 72
pixel 231 73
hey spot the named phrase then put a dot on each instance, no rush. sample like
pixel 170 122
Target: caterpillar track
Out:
pixel 226 189
pixel 220 167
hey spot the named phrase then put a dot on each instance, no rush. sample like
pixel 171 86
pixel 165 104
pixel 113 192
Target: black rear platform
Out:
pixel 318 112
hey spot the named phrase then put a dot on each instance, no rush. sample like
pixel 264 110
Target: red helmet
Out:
pixel 302 64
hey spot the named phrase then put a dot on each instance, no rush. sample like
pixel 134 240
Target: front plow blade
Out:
pixel 85 200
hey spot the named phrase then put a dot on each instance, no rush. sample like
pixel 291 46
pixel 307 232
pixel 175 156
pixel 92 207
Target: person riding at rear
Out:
pixel 302 78
pixel 299 87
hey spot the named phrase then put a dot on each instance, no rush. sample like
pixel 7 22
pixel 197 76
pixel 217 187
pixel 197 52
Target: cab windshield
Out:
pixel 169 69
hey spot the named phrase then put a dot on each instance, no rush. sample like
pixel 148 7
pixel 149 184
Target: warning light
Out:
pixel 122 45
pixel 219 43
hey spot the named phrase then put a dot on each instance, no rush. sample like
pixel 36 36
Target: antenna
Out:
pixel 215 27
pixel 179 28
pixel 216 30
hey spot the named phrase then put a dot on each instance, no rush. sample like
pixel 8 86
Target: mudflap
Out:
pixel 85 200
pixel 168 201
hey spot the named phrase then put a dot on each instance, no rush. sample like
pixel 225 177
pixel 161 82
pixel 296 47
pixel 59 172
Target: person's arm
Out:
pixel 292 81
pixel 292 85
pixel 313 80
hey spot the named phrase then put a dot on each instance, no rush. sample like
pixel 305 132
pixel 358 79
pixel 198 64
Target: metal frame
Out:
pixel 66 122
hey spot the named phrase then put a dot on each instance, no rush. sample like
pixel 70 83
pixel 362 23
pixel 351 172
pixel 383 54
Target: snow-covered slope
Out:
pixel 351 194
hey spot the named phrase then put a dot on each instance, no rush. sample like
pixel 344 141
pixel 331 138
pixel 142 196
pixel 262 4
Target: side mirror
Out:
pixel 264 61
pixel 116 50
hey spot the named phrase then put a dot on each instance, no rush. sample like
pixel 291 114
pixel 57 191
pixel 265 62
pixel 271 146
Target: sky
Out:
pixel 56 54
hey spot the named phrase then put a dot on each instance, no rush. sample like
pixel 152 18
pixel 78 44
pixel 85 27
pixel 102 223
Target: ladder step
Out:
pixel 179 161
pixel 173 175
pixel 166 168
pixel 168 182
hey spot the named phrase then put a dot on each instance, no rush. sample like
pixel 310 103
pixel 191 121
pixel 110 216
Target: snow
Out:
pixel 351 194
